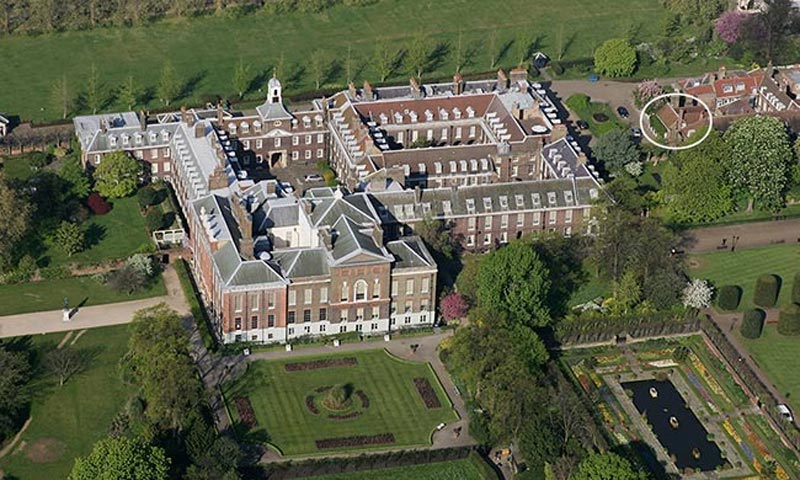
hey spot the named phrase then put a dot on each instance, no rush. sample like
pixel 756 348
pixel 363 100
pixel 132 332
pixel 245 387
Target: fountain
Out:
pixel 653 392
pixel 696 453
pixel 673 422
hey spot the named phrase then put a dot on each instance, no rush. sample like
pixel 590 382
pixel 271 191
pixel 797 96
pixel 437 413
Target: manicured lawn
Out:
pixel 743 267
pixel 207 49
pixel 68 420
pixel 115 235
pixel 49 294
pixel 466 469
pixel 394 406
pixel 777 356
pixel 585 110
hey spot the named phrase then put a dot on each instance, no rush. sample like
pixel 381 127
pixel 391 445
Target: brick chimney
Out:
pixel 518 75
pixel 219 113
pixel 502 81
pixel 142 120
pixel 458 84
pixel 103 127
pixel 416 92
pixel 368 93
pixel 245 220
pixel 186 116
pixel 199 130
pixel 722 73
pixel 218 178
pixel 327 239
pixel 351 87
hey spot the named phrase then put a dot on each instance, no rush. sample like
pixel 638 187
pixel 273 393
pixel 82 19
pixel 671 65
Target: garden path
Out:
pixel 749 235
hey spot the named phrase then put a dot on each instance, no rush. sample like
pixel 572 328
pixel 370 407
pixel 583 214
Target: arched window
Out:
pixel 360 289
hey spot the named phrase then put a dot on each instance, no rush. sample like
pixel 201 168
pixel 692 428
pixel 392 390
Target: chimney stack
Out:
pixel 245 221
pixel 458 84
pixel 219 113
pixel 368 93
pixel 142 120
pixel 199 130
pixel 519 75
pixel 186 117
pixel 502 81
pixel 103 127
pixel 723 72
pixel 377 234
pixel 415 90
pixel 218 178
pixel 351 87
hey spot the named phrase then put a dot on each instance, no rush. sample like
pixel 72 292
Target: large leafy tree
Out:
pixel 761 157
pixel 117 175
pixel 73 173
pixel 514 280
pixel 695 186
pixel 606 466
pixel 615 58
pixel 698 12
pixel 13 396
pixel 158 357
pixel 616 149
pixel 117 458
pixel 15 220
pixel 436 236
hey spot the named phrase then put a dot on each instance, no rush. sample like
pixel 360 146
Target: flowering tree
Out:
pixel 728 26
pixel 647 90
pixel 697 294
pixel 453 306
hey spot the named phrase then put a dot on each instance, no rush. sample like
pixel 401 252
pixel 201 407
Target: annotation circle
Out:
pixel 672 147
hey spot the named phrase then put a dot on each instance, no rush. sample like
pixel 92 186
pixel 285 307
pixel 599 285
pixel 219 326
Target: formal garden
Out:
pixel 471 468
pixel 367 400
pixel 676 401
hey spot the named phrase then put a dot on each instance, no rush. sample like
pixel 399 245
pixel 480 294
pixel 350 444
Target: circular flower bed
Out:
pixel 337 402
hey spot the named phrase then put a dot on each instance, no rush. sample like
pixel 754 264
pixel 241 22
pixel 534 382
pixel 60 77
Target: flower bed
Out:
pixel 245 410
pixel 426 392
pixel 317 364
pixel 344 416
pixel 355 441
pixel 310 405
pixel 363 397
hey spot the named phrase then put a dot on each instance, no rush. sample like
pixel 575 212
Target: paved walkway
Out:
pixel 94 316
pixel 747 235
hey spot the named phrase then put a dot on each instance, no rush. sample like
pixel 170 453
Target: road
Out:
pixel 95 316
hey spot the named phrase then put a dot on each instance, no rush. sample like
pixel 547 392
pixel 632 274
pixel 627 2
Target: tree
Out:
pixel 117 175
pixel 418 54
pixel 780 20
pixel 154 219
pixel 615 58
pixel 169 86
pixel 95 91
pixel 74 174
pixel 159 361
pixel 437 236
pixel 789 320
pixel 767 289
pixel 467 279
pixel 15 217
pixel 241 78
pixel 70 238
pixel 453 306
pixel 728 297
pixel 695 185
pixel 514 280
pixel 697 294
pixel 16 370
pixel 122 457
pixel 616 149
pixel 129 93
pixel 62 97
pixel 662 290
pixel 698 12
pixel 147 196
pixel 318 66
pixel 385 59
pixel 760 160
pixel 728 26
pixel 64 363
pixel 752 324
pixel 627 293
pixel 606 466
pixel 127 280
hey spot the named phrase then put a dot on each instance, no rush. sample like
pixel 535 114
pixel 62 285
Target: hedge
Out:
pixel 198 312
pixel 789 320
pixel 752 323
pixel 729 297
pixel 796 288
pixel 766 294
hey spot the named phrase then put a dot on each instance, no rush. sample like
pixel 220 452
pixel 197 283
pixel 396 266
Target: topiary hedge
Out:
pixel 752 323
pixel 729 297
pixel 796 289
pixel 766 294
pixel 789 320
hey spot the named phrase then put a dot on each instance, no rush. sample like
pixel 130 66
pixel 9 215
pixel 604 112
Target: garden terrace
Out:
pixel 380 408
pixel 731 437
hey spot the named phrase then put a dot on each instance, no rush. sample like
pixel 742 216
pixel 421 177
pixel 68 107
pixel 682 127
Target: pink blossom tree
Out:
pixel 453 306
pixel 645 91
pixel 729 26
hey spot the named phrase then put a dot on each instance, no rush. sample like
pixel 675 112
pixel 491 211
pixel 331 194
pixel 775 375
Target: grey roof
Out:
pixel 280 215
pixel 564 158
pixel 4 120
pixel 349 241
pixel 255 272
pixel 327 211
pixel 309 262
pixel 273 111
pixel 227 260
pixel 319 192
pixel 410 252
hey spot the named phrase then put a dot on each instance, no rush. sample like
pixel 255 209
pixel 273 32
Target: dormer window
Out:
pixel 484 164
pixel 568 197
pixel 537 200
pixel 457 114
pixel 409 210
pixel 138 139
pixel 463 165
pixel 470 112
pixel 438 167
pixel 473 165
pixel 551 198
pixel 453 166
pixel 471 206
pixel 428 116
pixel 153 137
pixel 112 140
pixel 727 89
pixel 448 209
pixel 245 127
pixel 318 120
pixel 503 202
pixel 487 204
pixel 165 136
pixel 413 116
pixel 739 87
pixel 520 201
pixel 443 114
pixel 384 118
pixel 426 208
pixel 421 168
pixel 126 140
pixel 233 128
pixel 257 126
pixel 306 122
pixel 406 170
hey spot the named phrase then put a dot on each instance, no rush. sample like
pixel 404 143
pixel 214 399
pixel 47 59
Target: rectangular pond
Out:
pixel 675 425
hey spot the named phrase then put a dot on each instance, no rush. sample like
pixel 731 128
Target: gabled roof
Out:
pixel 410 252
pixel 307 262
pixel 327 211
pixel 350 244
pixel 255 272
pixel 273 111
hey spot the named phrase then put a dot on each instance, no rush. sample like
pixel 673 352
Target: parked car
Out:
pixel 783 409
pixel 636 132
pixel 313 178
pixel 623 112
pixel 441 426
pixel 582 124
pixel 594 77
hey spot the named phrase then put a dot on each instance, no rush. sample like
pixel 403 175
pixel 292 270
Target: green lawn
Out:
pixel 207 49
pixel 278 398
pixel 49 294
pixel 743 267
pixel 777 356
pixel 466 469
pixel 68 420
pixel 585 109
pixel 115 235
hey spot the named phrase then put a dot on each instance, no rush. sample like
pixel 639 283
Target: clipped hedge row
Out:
pixel 729 297
pixel 789 320
pixel 752 323
pixel 796 288
pixel 767 288
pixel 198 312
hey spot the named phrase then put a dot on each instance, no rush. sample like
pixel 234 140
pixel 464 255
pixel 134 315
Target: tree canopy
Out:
pixel 606 466
pixel 16 370
pixel 615 58
pixel 118 458
pixel 117 175
pixel 616 149
pixel 15 220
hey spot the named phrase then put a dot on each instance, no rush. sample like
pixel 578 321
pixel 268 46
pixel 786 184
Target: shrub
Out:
pixel 54 273
pixel 729 297
pixel 789 320
pixel 154 220
pixel 796 289
pixel 766 293
pixel 752 324
pixel 141 263
pixel 147 196
pixel 97 205
pixel 71 238
pixel 558 69
pixel 127 280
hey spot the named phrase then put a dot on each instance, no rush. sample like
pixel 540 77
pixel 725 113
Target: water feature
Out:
pixel 675 425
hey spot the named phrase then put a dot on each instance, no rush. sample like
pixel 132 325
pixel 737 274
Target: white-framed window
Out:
pixel 323 295
pixel 520 219
pixel 504 221
pixel 295 140
pixel 487 222
pixel 259 143
pixel 320 153
pixel 551 216
pixel 568 216
pixel 359 314
pixel 238 301
pixel 394 288
pixel 471 223
pixel 254 303
pixel 167 153
pixel 154 153
pixel 343 315
pixel 472 131
pixel 308 155
pixel 307 296
pixel 537 218
pixel 343 297
pixel 320 138
pixel 487 239
pixel 409 286
pixel 376 313
pixel 277 142
pixel 376 289
pixel 308 139
pixel 247 144
pixel 426 285
pixel 167 167
pixel 444 134
pixel 292 297
pixel 97 159
pixel 154 168
pixel 360 291
pixel 503 237
pixel 471 241
pixel 458 133
pixel 295 155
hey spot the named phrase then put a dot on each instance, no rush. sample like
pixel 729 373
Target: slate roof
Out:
pixel 327 211
pixel 349 241
pixel 307 262
pixel 410 252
